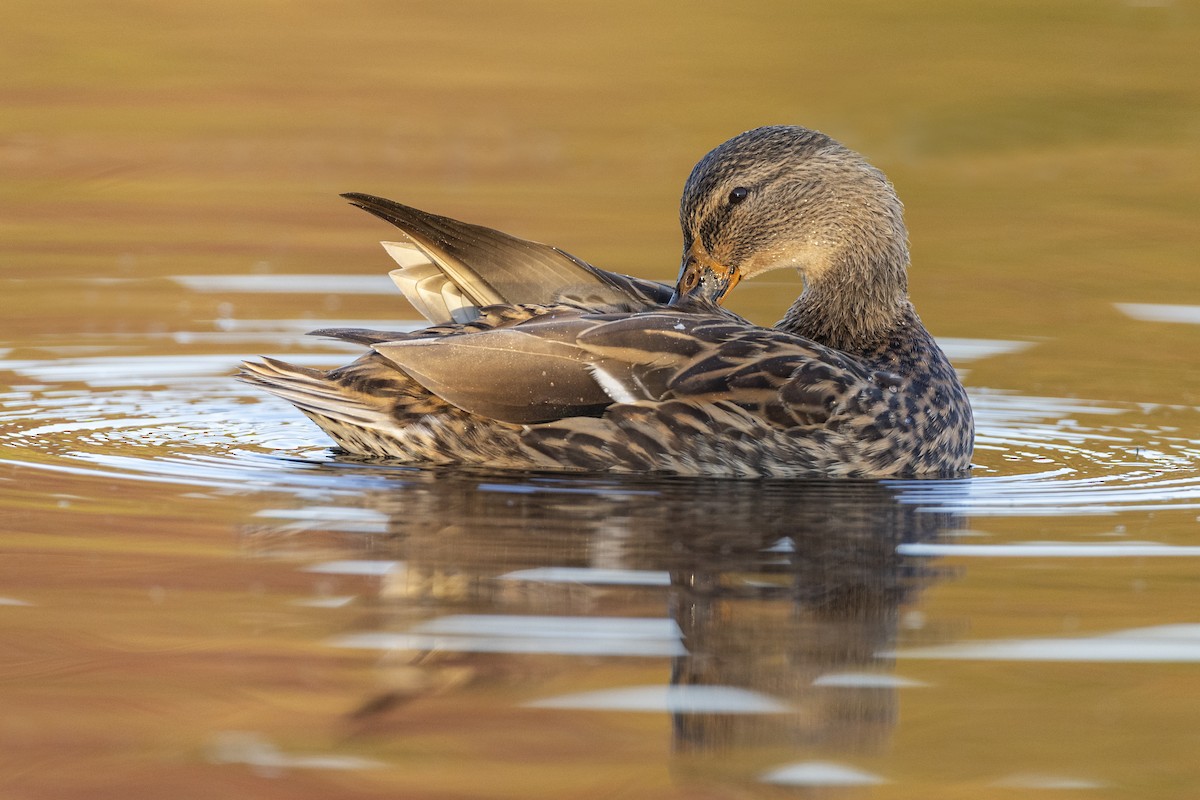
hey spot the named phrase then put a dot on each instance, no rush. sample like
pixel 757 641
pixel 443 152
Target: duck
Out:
pixel 535 360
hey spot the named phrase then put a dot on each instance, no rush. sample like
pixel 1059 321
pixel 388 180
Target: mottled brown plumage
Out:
pixel 536 360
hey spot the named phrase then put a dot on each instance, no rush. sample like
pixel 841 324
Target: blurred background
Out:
pixel 199 599
pixel 1046 152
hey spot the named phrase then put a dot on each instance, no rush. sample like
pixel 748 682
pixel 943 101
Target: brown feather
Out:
pixel 537 360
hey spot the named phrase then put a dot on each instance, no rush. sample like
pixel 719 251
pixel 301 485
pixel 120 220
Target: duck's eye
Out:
pixel 738 195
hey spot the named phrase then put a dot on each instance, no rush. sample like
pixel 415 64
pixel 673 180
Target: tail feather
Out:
pixel 367 414
pixel 436 292
pixel 312 392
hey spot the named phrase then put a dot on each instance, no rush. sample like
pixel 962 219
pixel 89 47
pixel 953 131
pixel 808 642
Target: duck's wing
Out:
pixel 780 378
pixel 450 269
pixel 576 364
pixel 524 373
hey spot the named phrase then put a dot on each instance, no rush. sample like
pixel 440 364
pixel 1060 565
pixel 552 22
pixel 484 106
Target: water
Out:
pixel 197 589
pixel 198 598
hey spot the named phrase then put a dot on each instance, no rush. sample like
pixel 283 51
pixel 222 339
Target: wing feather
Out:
pixel 505 374
pixel 449 269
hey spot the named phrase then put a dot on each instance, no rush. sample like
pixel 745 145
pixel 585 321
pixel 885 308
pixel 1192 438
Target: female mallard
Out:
pixel 537 360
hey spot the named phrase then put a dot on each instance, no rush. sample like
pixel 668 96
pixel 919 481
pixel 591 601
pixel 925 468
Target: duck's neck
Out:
pixel 856 306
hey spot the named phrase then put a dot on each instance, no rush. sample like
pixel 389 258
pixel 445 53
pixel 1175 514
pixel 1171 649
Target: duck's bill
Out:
pixel 701 278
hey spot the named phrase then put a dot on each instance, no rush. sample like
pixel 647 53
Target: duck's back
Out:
pixel 749 401
pixel 683 391
pixel 537 360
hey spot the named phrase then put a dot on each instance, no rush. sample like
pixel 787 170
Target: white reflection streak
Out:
pixel 1048 782
pixel 255 750
pixel 670 699
pixel 499 633
pixel 1049 550
pixel 590 576
pixel 960 350
pixel 513 645
pixel 288 284
pixel 357 567
pixel 1049 494
pixel 1154 312
pixel 303 326
pixel 867 680
pixel 533 625
pixel 325 602
pixel 1159 644
pixel 820 773
pixel 131 371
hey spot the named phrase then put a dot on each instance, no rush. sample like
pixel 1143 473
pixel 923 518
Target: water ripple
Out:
pixel 182 419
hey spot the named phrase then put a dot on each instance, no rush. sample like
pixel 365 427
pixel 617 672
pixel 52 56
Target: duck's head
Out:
pixel 785 196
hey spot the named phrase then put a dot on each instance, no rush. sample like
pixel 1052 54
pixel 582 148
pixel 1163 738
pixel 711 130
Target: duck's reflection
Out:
pixel 786 592
pixel 798 611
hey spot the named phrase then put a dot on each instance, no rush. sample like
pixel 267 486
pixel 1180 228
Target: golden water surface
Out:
pixel 199 599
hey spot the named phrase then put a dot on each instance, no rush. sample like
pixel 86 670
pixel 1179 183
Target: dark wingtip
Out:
pixel 398 214
pixel 361 335
pixel 367 202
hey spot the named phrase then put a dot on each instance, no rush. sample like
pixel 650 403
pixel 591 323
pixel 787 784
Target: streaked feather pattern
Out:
pixel 537 360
